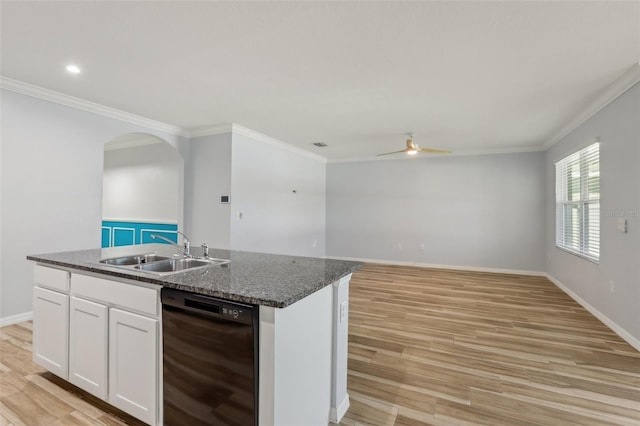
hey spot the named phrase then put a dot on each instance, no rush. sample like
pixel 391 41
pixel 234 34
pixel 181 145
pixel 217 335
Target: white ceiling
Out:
pixel 464 76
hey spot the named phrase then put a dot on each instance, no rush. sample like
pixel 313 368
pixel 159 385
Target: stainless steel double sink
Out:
pixel 162 265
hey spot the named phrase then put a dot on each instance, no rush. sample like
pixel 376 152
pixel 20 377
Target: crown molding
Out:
pixel 275 142
pixel 623 83
pixel 83 105
pixel 428 156
pixel 210 130
pixel 261 137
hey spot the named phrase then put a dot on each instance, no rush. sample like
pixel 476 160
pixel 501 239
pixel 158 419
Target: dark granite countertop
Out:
pixel 256 278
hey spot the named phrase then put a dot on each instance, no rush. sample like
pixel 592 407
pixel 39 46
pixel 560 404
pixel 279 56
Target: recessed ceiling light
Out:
pixel 73 69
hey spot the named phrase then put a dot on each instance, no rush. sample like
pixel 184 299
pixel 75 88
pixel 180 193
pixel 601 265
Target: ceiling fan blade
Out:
pixel 435 151
pixel 394 152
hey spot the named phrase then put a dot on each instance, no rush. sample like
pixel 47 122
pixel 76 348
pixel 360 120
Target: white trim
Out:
pixel 623 83
pixel 14 319
pixel 110 229
pixel 261 137
pixel 336 414
pixel 156 221
pixel 83 105
pixel 624 334
pixel 218 129
pixel 438 266
pixel 426 156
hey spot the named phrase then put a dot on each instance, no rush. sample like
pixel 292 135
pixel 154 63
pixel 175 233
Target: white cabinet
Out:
pixel 51 330
pixel 88 350
pixel 133 363
pixel 101 335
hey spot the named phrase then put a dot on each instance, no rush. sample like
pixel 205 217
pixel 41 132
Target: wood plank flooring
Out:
pixel 31 396
pixel 426 347
pixel 442 347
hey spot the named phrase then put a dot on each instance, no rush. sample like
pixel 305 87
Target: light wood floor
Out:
pixel 31 396
pixel 426 347
pixel 440 347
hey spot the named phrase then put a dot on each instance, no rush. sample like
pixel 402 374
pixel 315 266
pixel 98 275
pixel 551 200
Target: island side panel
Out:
pixel 339 395
pixel 266 366
pixel 295 362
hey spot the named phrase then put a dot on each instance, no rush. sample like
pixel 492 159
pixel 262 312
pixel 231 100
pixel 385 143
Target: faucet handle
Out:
pixel 205 249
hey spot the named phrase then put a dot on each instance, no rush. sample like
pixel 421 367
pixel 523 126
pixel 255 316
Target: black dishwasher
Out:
pixel 210 360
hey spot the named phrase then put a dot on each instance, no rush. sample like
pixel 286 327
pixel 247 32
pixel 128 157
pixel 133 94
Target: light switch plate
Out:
pixel 622 225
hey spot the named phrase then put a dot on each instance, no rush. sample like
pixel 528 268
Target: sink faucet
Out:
pixel 186 244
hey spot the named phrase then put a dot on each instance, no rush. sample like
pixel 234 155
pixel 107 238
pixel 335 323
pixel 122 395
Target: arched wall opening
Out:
pixel 142 190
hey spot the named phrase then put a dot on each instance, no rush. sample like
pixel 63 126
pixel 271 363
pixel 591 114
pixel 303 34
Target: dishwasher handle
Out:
pixel 207 306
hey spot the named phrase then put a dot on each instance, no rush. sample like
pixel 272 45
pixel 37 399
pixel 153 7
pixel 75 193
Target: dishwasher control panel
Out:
pixel 207 305
pixel 236 312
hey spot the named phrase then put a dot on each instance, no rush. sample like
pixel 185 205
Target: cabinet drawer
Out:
pixel 52 278
pixel 129 296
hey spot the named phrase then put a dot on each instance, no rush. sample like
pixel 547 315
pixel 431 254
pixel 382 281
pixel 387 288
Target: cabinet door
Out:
pixel 133 362
pixel 88 349
pixel 50 330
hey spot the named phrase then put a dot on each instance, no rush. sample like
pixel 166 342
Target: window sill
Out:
pixel 578 254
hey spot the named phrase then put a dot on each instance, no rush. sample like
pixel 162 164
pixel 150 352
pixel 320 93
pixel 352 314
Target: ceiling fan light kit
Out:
pixel 413 148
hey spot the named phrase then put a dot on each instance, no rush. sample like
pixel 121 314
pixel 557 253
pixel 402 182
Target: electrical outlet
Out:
pixel 314 244
pixel 343 310
pixel 400 246
pixel 422 246
pixel 612 287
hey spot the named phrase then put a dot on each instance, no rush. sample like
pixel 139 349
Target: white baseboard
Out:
pixel 338 412
pixel 438 266
pixel 14 319
pixel 624 334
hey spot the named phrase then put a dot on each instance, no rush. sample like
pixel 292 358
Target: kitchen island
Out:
pixel 302 304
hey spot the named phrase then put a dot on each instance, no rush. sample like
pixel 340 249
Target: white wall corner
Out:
pixel 624 334
pixel 623 83
pixel 261 137
pixel 83 105
pixel 14 319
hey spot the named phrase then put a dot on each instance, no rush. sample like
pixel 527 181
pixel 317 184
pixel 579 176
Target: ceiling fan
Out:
pixel 413 148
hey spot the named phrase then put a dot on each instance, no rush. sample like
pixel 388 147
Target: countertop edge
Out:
pixel 141 277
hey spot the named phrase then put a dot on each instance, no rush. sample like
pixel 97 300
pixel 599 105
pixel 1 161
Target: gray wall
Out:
pixel 143 183
pixel 276 220
pixel 618 126
pixel 207 177
pixel 51 186
pixel 472 211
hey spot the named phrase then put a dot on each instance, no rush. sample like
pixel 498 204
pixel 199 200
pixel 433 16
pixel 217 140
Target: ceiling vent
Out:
pixel 320 144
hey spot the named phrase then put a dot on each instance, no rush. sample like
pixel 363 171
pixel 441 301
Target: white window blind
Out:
pixel 578 202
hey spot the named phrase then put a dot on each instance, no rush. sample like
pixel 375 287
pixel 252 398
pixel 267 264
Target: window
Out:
pixel 578 202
